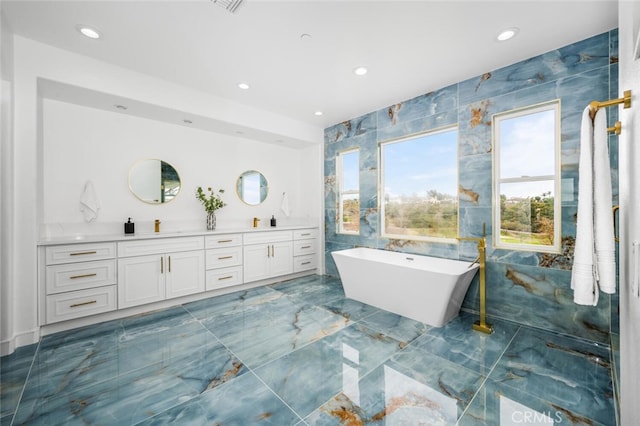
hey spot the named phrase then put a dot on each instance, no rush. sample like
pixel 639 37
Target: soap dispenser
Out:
pixel 273 221
pixel 129 227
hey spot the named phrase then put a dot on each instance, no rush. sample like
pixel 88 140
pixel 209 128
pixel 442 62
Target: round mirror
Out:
pixel 154 181
pixel 252 187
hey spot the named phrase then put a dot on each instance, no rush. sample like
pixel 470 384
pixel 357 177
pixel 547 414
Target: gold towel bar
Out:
pixel 596 105
pixel 626 100
pixel 616 128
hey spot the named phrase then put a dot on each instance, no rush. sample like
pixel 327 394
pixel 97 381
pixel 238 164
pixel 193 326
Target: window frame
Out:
pixel 556 247
pixel 340 192
pixel 381 189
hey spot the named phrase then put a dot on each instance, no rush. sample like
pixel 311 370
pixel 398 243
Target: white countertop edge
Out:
pixel 78 239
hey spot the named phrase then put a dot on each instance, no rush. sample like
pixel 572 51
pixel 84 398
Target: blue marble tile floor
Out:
pixel 299 353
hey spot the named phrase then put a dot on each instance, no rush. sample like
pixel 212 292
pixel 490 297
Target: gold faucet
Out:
pixel 481 325
pixel 157 225
pixel 255 222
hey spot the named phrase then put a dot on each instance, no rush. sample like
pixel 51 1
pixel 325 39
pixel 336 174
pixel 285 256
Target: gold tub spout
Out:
pixel 481 325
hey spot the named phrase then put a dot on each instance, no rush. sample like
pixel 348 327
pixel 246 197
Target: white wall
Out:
pixel 112 144
pixel 6 180
pixel 82 143
pixel 629 29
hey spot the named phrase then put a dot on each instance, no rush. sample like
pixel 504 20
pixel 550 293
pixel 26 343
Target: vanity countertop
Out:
pixel 89 238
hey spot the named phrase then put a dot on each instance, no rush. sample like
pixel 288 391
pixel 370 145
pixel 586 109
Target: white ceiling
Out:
pixel 410 47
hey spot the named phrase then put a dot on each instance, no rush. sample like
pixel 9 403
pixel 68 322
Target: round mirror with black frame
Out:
pixel 252 187
pixel 154 181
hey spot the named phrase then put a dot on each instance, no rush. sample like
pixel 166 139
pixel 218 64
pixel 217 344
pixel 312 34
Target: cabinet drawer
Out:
pixel 224 277
pixel 304 263
pixel 302 247
pixel 81 303
pixel 80 276
pixel 223 257
pixel 267 237
pixel 159 246
pixel 224 240
pixel 303 234
pixel 79 253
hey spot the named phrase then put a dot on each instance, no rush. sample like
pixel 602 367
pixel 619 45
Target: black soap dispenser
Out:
pixel 273 221
pixel 129 227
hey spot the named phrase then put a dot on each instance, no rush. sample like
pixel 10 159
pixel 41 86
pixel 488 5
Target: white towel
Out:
pixel 594 255
pixel 284 206
pixel 89 203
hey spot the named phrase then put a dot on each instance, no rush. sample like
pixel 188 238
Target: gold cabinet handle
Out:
pixel 75 305
pixel 305 247
pixel 82 276
pixel 225 278
pixel 162 265
pixel 273 251
pixel 268 251
pixel 615 224
pixel 225 257
pixel 224 241
pixel 305 263
pixel 169 263
pixel 304 235
pixel 82 253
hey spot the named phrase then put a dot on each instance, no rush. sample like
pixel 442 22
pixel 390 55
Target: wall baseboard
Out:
pixel 25 338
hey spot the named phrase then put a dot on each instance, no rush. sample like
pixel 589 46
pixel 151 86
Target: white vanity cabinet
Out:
pixel 223 261
pixel 155 270
pixel 267 254
pixel 80 280
pixel 305 249
pixel 103 276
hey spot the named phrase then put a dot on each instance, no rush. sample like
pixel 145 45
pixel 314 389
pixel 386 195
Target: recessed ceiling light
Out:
pixel 507 34
pixel 360 71
pixel 243 86
pixel 122 107
pixel 88 31
pixel 318 113
pixel 187 121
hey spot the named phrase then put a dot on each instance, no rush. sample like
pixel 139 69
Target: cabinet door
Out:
pixel 184 273
pixel 256 262
pixel 140 280
pixel 281 260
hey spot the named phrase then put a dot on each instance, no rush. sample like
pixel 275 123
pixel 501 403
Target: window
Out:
pixel 419 187
pixel 348 177
pixel 526 158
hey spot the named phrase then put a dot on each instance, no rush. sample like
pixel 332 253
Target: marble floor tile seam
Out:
pixel 544 397
pixel 24 385
pixel 486 377
pixel 544 330
pixel 276 395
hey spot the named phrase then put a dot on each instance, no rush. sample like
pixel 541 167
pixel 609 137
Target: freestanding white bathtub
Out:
pixel 423 288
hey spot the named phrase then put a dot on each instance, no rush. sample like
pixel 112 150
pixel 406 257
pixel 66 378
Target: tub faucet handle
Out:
pixel 477 260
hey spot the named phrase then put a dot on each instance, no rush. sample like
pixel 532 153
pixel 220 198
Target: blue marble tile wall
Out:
pixel 526 287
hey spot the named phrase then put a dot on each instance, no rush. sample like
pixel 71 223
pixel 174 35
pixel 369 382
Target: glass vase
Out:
pixel 211 221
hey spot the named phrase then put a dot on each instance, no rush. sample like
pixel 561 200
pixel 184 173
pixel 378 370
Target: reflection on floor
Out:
pixel 298 353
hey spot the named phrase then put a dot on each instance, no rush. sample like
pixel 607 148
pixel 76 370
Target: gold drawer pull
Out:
pixel 81 253
pixel 305 247
pixel 305 263
pixel 225 241
pixel 225 278
pixel 225 257
pixel 305 235
pixel 82 276
pixel 91 302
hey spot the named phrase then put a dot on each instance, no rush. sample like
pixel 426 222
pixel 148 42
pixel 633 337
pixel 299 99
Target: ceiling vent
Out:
pixel 230 5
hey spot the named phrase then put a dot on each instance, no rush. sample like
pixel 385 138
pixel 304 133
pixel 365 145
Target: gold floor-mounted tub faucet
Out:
pixel 481 325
